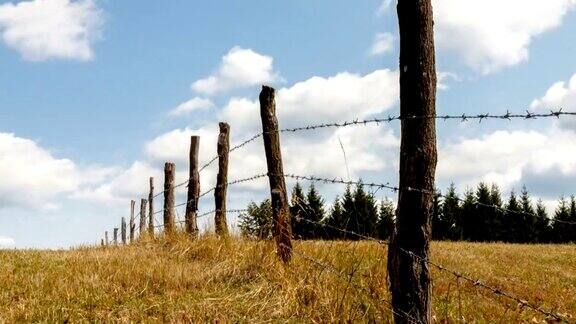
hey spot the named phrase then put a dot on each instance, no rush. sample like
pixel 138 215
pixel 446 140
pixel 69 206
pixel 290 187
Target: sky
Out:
pixel 95 95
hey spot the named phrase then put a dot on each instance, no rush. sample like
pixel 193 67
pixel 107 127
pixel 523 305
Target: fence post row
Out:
pixel 132 224
pixel 220 222
pixel 123 230
pixel 142 225
pixel 280 212
pixel 151 208
pixel 169 170
pixel 116 236
pixel 410 242
pixel 193 188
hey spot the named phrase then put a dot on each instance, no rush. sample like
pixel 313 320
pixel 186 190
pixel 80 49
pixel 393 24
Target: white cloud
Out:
pixel 191 105
pixel 508 157
pixel 239 68
pixel 33 177
pixel 383 43
pixel 6 242
pixel 45 29
pixel 444 77
pixel 384 7
pixel 560 95
pixel 490 35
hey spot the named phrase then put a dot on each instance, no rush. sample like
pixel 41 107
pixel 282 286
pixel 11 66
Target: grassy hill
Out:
pixel 180 280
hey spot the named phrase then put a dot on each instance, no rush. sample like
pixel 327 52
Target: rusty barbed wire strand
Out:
pixel 206 214
pixel 475 282
pixel 462 117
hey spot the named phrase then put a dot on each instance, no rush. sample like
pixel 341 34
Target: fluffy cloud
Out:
pixel 383 43
pixel 560 95
pixel 191 105
pixel 32 176
pixel 6 242
pixel 45 29
pixel 490 35
pixel 239 68
pixel 510 158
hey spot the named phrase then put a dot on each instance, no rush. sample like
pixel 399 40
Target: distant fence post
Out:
pixel 169 171
pixel 409 248
pixel 142 226
pixel 193 188
pixel 123 230
pixel 106 238
pixel 115 235
pixel 220 222
pixel 280 212
pixel 151 208
pixel 102 242
pixel 132 224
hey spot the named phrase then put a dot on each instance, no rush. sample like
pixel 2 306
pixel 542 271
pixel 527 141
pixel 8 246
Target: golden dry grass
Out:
pixel 176 280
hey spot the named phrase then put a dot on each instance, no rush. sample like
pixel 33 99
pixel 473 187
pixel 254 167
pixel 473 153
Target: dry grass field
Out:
pixel 176 280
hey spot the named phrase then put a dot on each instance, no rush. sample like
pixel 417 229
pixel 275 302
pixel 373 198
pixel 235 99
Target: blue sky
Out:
pixel 89 88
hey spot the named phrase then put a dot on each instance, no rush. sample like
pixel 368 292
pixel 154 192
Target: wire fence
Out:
pixel 349 277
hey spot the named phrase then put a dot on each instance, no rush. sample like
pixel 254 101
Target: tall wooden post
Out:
pixel 193 188
pixel 151 208
pixel 142 226
pixel 106 238
pixel 123 230
pixel 169 171
pixel 132 220
pixel 410 242
pixel 102 242
pixel 280 212
pixel 222 180
pixel 115 235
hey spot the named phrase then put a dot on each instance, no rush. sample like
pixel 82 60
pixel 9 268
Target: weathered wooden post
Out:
pixel 142 226
pixel 151 208
pixel 193 188
pixel 280 212
pixel 106 238
pixel 116 236
pixel 410 243
pixel 123 230
pixel 222 180
pixel 132 221
pixel 169 171
pixel 102 242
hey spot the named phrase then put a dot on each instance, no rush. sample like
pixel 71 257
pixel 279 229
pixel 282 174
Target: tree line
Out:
pixel 480 215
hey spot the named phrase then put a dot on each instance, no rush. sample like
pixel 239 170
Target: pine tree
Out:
pixel 497 225
pixel 528 217
pixel 298 210
pixel 316 213
pixel 386 219
pixel 483 216
pixel 364 215
pixel 513 219
pixel 336 220
pixel 439 224
pixel 542 229
pixel 468 213
pixel 560 230
pixel 451 213
pixel 257 222
pixel 348 214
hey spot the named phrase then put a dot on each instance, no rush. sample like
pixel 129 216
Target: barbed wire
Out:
pixel 474 281
pixel 462 117
pixel 206 214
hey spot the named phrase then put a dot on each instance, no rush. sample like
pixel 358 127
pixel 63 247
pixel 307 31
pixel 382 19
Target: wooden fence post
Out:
pixel 132 221
pixel 142 226
pixel 151 208
pixel 115 235
pixel 408 252
pixel 169 171
pixel 102 242
pixel 106 238
pixel 222 180
pixel 193 188
pixel 280 212
pixel 123 230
